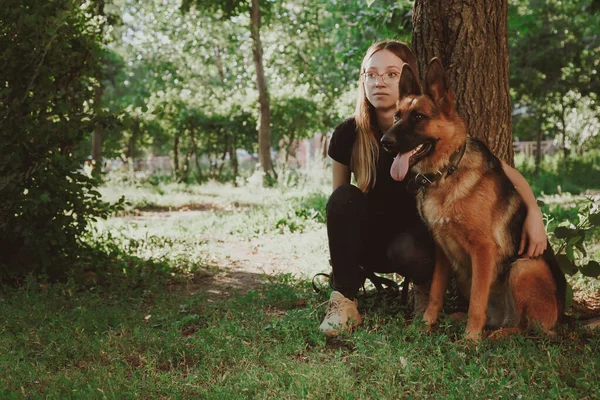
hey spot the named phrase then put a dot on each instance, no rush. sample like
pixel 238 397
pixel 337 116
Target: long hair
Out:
pixel 365 152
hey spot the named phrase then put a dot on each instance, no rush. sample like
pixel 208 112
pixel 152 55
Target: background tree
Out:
pixel 257 13
pixel 470 38
pixel 555 53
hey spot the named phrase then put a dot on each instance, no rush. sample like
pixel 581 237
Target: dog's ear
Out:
pixel 409 84
pixel 436 87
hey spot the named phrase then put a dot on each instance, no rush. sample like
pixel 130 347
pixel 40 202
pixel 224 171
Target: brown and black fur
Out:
pixel 475 214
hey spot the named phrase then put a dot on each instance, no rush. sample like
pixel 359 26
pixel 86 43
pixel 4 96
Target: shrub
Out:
pixel 576 174
pixel 50 65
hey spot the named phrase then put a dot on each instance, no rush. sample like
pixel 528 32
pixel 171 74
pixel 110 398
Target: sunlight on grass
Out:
pixel 211 300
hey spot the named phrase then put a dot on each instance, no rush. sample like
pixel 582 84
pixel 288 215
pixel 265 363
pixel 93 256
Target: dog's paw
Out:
pixel 474 337
pixel 430 319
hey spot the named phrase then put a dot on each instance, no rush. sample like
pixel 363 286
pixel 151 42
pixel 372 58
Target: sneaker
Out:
pixel 342 315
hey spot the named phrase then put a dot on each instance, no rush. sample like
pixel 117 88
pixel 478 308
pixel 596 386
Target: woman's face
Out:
pixel 382 91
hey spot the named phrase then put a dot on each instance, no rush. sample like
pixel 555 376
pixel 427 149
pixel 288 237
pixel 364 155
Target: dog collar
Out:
pixel 422 181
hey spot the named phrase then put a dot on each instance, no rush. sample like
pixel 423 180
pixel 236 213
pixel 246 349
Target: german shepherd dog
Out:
pixel 473 211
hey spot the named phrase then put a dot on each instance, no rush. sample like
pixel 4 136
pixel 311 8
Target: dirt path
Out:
pixel 236 265
pixel 240 265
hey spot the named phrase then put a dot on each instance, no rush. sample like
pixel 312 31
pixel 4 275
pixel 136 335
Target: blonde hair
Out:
pixel 365 152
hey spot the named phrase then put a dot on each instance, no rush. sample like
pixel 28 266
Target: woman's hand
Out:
pixel 533 236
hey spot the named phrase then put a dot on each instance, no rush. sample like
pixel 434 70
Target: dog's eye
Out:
pixel 420 117
pixel 396 117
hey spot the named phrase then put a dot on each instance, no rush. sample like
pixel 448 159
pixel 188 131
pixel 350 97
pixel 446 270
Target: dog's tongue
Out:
pixel 400 166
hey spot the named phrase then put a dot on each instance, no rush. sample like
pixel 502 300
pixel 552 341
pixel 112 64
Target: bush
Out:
pixel 50 66
pixel 576 174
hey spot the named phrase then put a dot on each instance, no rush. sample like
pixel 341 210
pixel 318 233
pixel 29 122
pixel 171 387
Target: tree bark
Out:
pixel 131 148
pixel 97 139
pixel 233 157
pixel 176 154
pixel 195 151
pixel 264 126
pixel 186 166
pixel 470 38
pixel 98 134
pixel 563 128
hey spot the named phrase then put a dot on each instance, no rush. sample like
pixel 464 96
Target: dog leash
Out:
pixel 385 287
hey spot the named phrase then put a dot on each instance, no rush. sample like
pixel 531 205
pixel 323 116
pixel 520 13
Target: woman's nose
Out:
pixel 379 81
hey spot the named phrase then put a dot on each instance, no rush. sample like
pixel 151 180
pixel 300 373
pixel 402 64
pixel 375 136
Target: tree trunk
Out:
pixel 98 134
pixel 563 129
pixel 324 147
pixel 176 154
pixel 186 166
pixel 131 150
pixel 233 157
pixel 264 126
pixel 470 38
pixel 97 139
pixel 224 156
pixel 195 151
pixel 538 154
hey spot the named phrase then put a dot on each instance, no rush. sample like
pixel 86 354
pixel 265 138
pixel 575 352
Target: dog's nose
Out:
pixel 388 143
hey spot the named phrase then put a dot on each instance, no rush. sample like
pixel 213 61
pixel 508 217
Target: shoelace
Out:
pixel 333 307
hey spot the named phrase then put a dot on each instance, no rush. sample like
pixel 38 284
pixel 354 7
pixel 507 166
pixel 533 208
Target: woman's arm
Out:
pixel 534 232
pixel 341 174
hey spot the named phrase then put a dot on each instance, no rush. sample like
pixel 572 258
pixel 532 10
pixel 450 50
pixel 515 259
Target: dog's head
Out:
pixel 427 129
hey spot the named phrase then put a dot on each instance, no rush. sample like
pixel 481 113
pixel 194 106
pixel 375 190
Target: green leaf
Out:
pixel 595 219
pixel 568 296
pixel 540 203
pixel 565 264
pixel 562 232
pixel 570 253
pixel 573 240
pixel 591 269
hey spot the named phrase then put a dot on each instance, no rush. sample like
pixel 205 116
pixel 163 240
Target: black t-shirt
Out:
pixel 388 198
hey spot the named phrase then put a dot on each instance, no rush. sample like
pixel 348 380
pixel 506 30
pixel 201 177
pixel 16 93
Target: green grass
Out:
pixel 137 322
pixel 73 342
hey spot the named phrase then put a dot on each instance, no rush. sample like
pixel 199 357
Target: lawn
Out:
pixel 203 292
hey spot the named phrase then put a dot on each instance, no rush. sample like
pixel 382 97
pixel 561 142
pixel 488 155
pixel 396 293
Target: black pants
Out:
pixel 371 239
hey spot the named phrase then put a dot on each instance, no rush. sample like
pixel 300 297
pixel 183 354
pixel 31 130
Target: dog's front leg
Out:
pixel 439 283
pixel 483 269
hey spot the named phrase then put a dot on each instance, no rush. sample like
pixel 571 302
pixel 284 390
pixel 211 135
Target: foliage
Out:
pixel 168 73
pixel 310 208
pixel 182 83
pixel 50 58
pixel 573 238
pixel 556 175
pixel 554 53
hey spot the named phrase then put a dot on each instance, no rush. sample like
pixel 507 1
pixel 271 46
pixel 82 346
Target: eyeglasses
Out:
pixel 389 78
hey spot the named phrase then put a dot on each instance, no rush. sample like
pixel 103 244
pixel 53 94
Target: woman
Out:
pixel 375 224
